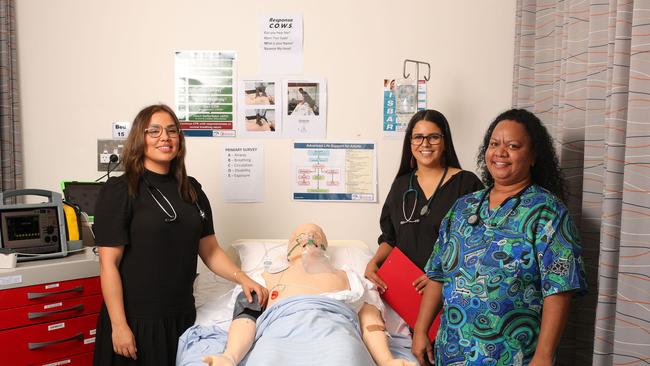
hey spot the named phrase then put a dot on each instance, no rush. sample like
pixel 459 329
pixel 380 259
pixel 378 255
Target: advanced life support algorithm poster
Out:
pixel 334 171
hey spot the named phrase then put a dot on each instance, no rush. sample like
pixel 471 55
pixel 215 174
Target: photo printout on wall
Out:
pixel 305 108
pixel 259 108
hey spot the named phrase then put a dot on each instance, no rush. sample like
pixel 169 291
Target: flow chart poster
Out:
pixel 243 172
pixel 334 171
pixel 204 92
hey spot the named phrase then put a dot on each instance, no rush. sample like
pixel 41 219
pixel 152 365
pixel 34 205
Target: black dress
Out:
pixel 157 268
pixel 416 240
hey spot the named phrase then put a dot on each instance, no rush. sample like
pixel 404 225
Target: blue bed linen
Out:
pixel 300 330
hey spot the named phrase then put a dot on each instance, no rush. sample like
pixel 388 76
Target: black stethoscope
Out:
pixel 426 208
pixel 173 216
pixel 475 218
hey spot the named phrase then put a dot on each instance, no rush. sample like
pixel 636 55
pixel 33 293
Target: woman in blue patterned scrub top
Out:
pixel 504 256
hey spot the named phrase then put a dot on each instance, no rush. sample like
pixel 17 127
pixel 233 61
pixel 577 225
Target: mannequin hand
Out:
pixel 218 360
pixel 397 362
pixel 124 341
pixel 249 286
pixel 371 274
pixel 420 283
pixel 421 347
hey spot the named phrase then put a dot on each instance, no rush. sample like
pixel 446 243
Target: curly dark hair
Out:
pixel 546 170
pixel 450 159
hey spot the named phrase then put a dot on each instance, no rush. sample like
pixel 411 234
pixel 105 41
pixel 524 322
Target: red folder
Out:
pixel 398 272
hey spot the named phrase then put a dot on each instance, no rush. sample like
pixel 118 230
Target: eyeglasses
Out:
pixel 432 139
pixel 154 131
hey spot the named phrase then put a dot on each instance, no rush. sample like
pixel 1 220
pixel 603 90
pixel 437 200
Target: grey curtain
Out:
pixel 11 163
pixel 584 68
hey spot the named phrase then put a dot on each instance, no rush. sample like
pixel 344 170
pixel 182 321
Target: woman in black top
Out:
pixel 428 182
pixel 150 225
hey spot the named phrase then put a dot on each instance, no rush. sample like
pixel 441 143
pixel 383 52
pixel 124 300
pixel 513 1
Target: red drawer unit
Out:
pixel 53 323
pixel 83 359
pixel 49 292
pixel 49 311
pixel 48 341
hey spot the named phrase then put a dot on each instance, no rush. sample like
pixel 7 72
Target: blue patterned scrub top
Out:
pixel 497 272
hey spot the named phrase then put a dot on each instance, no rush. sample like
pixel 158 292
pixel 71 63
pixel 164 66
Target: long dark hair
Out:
pixel 546 171
pixel 133 155
pixel 449 157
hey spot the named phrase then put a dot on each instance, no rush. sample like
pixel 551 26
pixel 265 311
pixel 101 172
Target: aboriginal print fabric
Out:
pixel 497 272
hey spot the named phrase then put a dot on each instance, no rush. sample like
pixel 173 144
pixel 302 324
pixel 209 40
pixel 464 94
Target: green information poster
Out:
pixel 204 92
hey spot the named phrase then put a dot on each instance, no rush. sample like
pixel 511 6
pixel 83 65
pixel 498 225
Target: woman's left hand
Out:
pixel 249 286
pixel 420 283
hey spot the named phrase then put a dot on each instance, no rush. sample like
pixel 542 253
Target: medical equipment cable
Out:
pixel 113 159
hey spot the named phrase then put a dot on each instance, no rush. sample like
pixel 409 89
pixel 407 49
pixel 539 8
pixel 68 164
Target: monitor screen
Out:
pixel 83 194
pixel 23 227
pixel 31 230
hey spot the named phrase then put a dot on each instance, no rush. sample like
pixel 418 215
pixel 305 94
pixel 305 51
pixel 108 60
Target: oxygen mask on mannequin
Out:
pixel 314 245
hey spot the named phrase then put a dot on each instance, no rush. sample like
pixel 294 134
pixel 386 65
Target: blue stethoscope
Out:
pixel 426 208
pixel 475 218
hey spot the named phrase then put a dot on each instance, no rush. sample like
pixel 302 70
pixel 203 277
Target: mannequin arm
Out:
pixel 376 338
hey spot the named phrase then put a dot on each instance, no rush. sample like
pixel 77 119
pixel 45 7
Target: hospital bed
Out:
pixel 213 295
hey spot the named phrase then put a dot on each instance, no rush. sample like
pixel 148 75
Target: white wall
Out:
pixel 87 63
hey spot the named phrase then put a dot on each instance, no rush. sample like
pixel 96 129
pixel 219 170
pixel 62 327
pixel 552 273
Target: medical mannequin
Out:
pixel 308 273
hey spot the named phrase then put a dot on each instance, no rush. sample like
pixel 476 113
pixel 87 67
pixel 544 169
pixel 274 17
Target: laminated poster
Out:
pixel 393 123
pixel 204 92
pixel 334 171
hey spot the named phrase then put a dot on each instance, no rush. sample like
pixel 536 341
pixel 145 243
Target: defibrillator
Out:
pixel 34 230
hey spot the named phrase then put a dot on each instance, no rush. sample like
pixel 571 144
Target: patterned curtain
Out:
pixel 11 166
pixel 584 68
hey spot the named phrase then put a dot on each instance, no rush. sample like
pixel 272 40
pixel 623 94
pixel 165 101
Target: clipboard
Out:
pixel 398 272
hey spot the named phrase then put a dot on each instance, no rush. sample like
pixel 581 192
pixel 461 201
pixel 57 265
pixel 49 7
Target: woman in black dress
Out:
pixel 150 225
pixel 428 182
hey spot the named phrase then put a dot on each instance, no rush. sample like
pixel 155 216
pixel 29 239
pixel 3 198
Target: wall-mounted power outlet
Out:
pixel 106 148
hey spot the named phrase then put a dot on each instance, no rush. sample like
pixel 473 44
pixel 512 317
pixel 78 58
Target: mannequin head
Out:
pixel 303 236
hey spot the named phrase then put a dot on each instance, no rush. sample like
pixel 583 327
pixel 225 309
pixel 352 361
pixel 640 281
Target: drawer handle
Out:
pixel 37 345
pixel 32 316
pixel 38 295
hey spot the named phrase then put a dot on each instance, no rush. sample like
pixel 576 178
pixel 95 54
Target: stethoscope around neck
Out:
pixel 475 218
pixel 426 209
pixel 171 217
